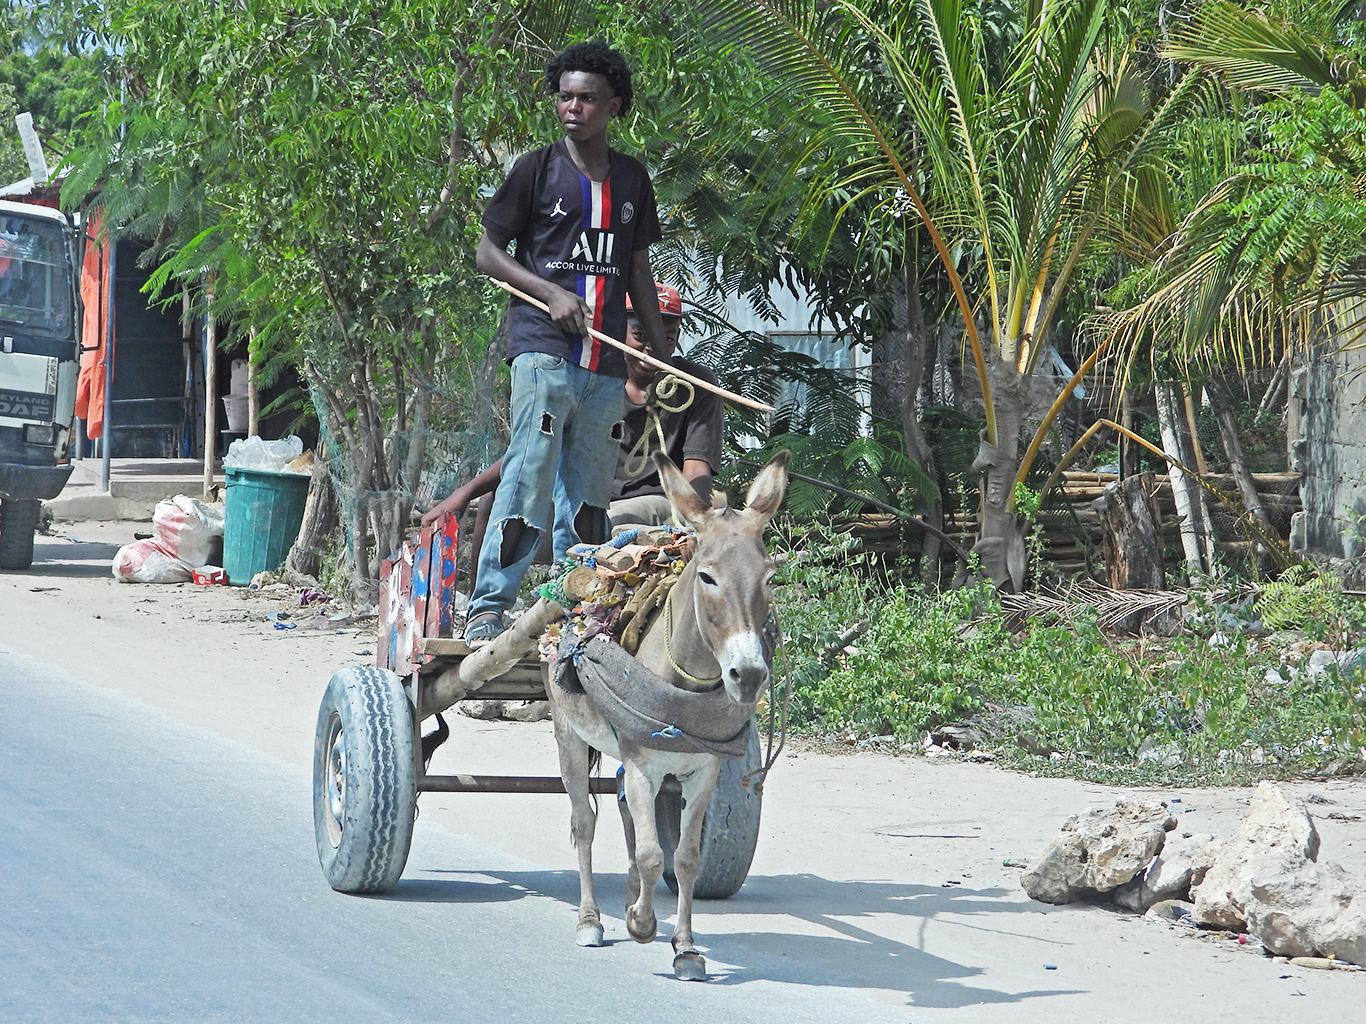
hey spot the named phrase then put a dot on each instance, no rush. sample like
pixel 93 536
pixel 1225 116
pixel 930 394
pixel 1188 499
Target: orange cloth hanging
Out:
pixel 95 286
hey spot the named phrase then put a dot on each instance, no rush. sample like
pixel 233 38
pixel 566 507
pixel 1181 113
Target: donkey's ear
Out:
pixel 680 491
pixel 766 493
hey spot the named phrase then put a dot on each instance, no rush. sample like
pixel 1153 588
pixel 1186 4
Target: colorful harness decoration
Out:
pixel 614 591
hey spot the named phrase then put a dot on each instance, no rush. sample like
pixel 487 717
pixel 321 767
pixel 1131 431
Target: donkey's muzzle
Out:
pixel 744 668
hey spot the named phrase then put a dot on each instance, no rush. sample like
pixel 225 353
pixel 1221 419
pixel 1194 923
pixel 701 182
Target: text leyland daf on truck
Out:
pixel 39 365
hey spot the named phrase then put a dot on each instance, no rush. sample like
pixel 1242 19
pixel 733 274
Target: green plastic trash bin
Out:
pixel 261 517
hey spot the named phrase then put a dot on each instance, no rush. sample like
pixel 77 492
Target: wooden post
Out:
pixel 253 399
pixel 210 394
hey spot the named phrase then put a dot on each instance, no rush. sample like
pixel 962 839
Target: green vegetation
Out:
pixel 1220 704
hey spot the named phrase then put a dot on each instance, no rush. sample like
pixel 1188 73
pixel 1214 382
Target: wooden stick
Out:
pixel 645 357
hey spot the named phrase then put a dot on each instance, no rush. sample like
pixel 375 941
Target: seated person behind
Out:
pixel 692 437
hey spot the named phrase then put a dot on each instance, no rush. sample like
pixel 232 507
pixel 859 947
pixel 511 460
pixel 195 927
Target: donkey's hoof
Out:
pixel 690 966
pixel 641 930
pixel 588 935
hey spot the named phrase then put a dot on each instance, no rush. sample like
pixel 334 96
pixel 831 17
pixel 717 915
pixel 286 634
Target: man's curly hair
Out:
pixel 595 58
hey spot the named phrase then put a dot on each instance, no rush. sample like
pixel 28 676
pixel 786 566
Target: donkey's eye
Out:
pixel 706 577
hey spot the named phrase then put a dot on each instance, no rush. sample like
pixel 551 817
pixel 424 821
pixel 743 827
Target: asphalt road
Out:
pixel 153 871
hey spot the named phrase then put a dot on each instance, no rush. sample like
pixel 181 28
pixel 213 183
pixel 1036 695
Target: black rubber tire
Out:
pixel 371 779
pixel 730 828
pixel 19 518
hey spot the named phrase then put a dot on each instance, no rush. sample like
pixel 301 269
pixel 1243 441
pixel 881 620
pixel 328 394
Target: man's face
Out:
pixel 637 369
pixel 635 334
pixel 586 102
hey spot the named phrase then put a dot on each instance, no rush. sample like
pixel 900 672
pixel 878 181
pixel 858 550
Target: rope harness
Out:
pixel 616 606
pixel 668 650
pixel 658 397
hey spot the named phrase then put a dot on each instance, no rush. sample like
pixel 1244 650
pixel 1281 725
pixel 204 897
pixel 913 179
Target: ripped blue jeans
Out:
pixel 557 473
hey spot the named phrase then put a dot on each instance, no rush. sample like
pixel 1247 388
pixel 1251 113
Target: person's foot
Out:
pixel 483 627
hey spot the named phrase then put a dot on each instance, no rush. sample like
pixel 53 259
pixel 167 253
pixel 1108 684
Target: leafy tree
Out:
pixel 57 84
pixel 1011 131
pixel 321 167
pixel 1265 249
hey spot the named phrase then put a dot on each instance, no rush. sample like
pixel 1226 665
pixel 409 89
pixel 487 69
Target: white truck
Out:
pixel 39 366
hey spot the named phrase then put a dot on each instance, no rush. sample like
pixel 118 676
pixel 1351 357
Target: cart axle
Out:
pixel 505 784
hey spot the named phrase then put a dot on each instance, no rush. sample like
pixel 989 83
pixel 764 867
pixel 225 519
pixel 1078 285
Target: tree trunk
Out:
pixel 319 523
pixel 1131 540
pixel 483 426
pixel 890 350
pixel 1129 453
pixel 915 358
pixel 1275 389
pixel 1193 432
pixel 1196 541
pixel 1000 539
pixel 1233 448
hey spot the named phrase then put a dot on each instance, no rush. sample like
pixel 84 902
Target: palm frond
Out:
pixel 1254 51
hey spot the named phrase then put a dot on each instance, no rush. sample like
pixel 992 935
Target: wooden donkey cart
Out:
pixel 679 713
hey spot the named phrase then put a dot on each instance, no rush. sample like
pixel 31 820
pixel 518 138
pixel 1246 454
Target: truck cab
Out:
pixel 39 366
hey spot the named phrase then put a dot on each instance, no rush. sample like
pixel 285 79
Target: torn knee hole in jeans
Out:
pixel 590 523
pixel 618 430
pixel 518 537
pixel 547 423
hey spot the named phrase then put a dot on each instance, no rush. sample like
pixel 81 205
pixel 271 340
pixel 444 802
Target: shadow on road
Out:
pixel 59 558
pixel 832 948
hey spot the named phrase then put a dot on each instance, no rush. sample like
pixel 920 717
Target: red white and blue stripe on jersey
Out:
pixel 592 288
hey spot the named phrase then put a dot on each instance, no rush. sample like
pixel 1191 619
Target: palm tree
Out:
pixel 1011 131
pixel 1263 253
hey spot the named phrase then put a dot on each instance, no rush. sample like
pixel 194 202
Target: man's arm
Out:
pixel 570 313
pixel 698 473
pixel 461 497
pixel 645 303
pixel 703 424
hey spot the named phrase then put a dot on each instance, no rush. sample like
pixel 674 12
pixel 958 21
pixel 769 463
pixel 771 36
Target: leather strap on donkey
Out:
pixel 644 708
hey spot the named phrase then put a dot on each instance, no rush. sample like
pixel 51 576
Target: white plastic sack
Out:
pixel 270 456
pixel 185 528
pixel 146 561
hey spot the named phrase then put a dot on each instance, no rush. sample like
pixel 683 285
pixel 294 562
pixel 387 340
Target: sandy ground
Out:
pixel 873 872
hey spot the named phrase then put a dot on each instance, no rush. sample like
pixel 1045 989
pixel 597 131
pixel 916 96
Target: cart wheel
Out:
pixel 19 519
pixel 364 781
pixel 730 828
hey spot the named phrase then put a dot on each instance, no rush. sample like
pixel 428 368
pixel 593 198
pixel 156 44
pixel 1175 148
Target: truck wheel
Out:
pixel 364 780
pixel 730 828
pixel 18 523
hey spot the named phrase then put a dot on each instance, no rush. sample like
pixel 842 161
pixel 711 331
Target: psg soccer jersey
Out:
pixel 581 234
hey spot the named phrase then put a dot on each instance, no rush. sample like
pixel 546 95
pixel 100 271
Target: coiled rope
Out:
pixel 659 398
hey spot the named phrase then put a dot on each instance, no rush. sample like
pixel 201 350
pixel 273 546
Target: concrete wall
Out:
pixel 1326 432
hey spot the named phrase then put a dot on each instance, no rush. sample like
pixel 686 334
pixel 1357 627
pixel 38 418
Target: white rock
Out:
pixel 1277 830
pixel 1319 662
pixel 1308 909
pixel 1167 877
pixel 1097 851
pixel 1168 755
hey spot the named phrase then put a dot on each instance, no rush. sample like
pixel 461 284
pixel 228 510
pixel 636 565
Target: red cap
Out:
pixel 669 302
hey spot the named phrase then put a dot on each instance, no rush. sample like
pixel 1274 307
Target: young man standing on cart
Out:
pixel 583 217
pixel 690 419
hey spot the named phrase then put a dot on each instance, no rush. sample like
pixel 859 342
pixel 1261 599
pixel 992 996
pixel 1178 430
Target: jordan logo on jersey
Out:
pixel 559 210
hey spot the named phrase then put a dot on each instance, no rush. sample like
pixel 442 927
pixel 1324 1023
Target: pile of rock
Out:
pixel 1265 881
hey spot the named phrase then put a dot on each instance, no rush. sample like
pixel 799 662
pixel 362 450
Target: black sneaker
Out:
pixel 483 628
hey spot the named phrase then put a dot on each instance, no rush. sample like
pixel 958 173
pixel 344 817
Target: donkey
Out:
pixel 708 639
